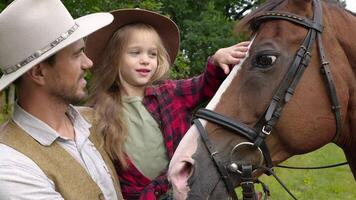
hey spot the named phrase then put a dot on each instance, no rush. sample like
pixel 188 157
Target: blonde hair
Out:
pixel 105 88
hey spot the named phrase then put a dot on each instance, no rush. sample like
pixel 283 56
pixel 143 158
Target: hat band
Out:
pixel 40 52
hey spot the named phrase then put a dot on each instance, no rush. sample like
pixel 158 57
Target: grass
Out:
pixel 326 184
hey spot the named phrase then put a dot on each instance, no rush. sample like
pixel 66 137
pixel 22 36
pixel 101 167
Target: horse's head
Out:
pixel 276 104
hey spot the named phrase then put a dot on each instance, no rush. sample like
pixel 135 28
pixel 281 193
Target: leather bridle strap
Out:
pixel 295 72
pixel 280 15
pixel 247 183
pixel 284 93
pixel 235 127
pixel 286 88
pixel 218 163
pixel 326 72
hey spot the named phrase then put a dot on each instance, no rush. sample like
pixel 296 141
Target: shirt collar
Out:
pixel 150 90
pixel 41 131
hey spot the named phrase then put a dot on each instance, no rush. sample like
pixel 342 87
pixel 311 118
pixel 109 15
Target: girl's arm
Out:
pixel 198 89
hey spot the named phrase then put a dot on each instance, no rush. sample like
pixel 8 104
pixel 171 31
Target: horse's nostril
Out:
pixel 179 175
pixel 186 170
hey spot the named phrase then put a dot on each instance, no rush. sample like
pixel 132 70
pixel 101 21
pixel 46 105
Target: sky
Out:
pixel 351 5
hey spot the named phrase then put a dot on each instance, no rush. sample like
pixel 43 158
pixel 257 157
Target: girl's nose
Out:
pixel 144 59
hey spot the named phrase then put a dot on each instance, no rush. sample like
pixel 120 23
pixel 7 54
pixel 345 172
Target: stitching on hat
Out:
pixel 40 52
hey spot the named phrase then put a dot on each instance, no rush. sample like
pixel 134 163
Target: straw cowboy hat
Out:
pixel 165 27
pixel 33 30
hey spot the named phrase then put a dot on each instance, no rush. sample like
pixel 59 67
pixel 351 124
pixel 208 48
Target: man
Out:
pixel 46 149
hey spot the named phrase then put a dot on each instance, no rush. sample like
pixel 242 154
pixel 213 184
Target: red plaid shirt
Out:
pixel 171 104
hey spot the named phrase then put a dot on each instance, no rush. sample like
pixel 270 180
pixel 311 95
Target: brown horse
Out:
pixel 277 103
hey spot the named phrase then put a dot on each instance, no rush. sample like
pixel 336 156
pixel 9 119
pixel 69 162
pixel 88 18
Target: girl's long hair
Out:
pixel 105 89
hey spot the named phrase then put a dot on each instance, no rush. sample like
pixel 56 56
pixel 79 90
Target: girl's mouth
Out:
pixel 143 72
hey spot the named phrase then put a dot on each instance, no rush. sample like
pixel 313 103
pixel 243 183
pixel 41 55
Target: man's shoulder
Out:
pixel 5 129
pixel 84 109
pixel 3 126
pixel 12 157
pixel 19 171
pixel 87 112
pixel 9 154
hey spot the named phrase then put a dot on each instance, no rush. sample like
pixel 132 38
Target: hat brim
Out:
pixel 87 25
pixel 165 27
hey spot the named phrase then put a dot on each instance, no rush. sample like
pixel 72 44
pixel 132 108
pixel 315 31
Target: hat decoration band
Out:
pixel 40 52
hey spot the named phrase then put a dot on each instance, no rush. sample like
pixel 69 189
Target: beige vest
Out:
pixel 70 178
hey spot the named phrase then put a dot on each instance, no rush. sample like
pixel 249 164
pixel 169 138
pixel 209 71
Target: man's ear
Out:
pixel 37 73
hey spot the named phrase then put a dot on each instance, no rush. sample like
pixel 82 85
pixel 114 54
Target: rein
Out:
pixel 256 136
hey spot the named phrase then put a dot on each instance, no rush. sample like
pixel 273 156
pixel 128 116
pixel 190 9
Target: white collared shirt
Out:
pixel 21 178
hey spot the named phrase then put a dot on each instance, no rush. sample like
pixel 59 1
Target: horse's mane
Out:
pixel 243 25
pixel 352 13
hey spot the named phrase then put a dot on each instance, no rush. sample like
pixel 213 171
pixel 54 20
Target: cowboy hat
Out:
pixel 33 30
pixel 165 27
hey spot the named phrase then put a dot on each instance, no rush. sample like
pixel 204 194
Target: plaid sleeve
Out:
pixel 195 90
pixel 135 186
pixel 155 189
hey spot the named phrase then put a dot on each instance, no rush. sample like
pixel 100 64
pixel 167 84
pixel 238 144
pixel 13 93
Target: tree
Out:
pixel 2 4
pixel 205 25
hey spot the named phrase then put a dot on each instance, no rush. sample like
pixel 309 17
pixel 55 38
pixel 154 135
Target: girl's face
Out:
pixel 138 60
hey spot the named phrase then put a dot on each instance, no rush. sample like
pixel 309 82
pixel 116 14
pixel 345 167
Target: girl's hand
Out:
pixel 230 55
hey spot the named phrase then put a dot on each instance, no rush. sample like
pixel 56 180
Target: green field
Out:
pixel 325 184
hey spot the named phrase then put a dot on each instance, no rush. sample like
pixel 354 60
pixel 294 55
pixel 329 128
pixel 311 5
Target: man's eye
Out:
pixel 80 52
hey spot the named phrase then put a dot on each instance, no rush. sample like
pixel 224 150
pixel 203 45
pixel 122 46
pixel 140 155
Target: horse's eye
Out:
pixel 265 61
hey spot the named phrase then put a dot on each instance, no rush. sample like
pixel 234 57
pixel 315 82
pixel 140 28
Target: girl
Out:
pixel 142 116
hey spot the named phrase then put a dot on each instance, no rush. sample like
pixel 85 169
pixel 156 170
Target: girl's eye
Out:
pixel 134 52
pixel 153 54
pixel 265 61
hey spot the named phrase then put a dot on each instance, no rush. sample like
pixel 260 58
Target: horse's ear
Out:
pixel 301 7
pixel 302 1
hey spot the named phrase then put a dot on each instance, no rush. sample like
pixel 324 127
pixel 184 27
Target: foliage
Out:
pixel 82 7
pixel 2 5
pixel 204 29
pixel 181 68
pixel 333 183
pixel 205 25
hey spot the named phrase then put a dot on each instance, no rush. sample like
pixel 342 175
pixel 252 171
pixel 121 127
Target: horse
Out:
pixel 293 94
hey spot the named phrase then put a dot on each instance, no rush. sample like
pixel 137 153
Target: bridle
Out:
pixel 256 136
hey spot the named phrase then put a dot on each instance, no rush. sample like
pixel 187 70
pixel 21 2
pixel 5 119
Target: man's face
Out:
pixel 65 78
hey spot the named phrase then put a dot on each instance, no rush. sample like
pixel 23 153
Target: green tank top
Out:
pixel 144 144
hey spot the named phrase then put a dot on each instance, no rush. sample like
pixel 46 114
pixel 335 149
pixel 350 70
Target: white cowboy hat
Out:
pixel 33 30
